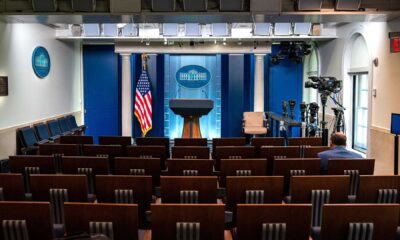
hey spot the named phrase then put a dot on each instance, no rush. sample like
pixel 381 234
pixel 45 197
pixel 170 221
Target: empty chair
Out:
pixel 154 141
pixel 258 142
pixel 190 142
pixel 76 139
pixel 58 189
pixel 273 221
pixel 378 189
pixel 64 126
pixel 295 167
pixel 352 167
pixel 232 152
pixel 54 128
pixel 253 190
pixel 188 189
pixel 125 190
pixel 110 151
pixel 188 167
pixel 319 190
pixel 356 221
pixel 58 151
pixel 312 152
pixel 305 141
pixel 74 126
pixel 115 140
pixel 278 152
pixel 25 220
pixel 32 164
pixel 148 152
pixel 28 141
pixel 89 166
pixel 138 166
pixel 254 123
pixel 236 141
pixel 42 132
pixel 11 187
pixel 186 152
pixel 242 167
pixel 116 221
pixel 194 221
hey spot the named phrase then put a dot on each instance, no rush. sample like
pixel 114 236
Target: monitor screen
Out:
pixel 395 128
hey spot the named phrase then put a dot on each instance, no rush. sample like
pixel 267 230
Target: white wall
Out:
pixel 32 99
pixel 335 59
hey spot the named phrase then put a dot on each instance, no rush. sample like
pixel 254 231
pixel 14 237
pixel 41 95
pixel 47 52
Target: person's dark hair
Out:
pixel 339 139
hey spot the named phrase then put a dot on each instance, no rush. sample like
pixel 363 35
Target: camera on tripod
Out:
pixel 325 84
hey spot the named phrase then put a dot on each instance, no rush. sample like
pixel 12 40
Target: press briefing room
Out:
pixel 199 119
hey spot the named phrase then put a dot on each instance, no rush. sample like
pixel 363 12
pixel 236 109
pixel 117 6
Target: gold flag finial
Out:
pixel 144 60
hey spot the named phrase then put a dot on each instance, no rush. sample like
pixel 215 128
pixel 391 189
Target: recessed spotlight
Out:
pixel 147 43
pixel 224 43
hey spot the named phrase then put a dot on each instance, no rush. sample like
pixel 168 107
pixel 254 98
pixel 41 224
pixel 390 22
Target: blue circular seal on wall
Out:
pixel 193 76
pixel 41 62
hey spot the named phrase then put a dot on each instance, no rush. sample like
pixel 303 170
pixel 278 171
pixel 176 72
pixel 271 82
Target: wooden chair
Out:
pixel 190 167
pixel 278 152
pixel 189 142
pixel 23 163
pixel 74 139
pixel 319 190
pixel 109 151
pixel 189 189
pixel 232 152
pixel 305 141
pixel 253 190
pixel 352 167
pixel 378 189
pixel 117 221
pixel 154 141
pixel 126 190
pixel 115 140
pixel 312 152
pixel 207 219
pixel 148 151
pixel 196 152
pixel 342 221
pixel 242 167
pixel 89 166
pixel 291 221
pixel 58 189
pixel 258 142
pixel 62 149
pixel 11 187
pixel 139 166
pixel 295 167
pixel 219 142
pixel 30 220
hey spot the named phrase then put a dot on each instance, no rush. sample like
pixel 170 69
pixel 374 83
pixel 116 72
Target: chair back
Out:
pixel 190 142
pixel 132 165
pixel 177 167
pixel 42 131
pixel 12 186
pixel 253 119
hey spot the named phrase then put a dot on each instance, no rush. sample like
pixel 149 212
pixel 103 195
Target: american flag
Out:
pixel 143 103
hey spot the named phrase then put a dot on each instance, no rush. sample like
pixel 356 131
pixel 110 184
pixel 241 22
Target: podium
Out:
pixel 191 110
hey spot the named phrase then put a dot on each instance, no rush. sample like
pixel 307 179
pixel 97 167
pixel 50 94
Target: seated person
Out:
pixel 338 150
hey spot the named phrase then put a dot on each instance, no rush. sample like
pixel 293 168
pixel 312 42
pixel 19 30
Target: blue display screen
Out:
pixel 395 128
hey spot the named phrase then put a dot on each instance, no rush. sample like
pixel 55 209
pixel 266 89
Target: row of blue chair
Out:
pixel 29 137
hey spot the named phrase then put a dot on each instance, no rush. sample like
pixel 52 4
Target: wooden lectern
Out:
pixel 191 110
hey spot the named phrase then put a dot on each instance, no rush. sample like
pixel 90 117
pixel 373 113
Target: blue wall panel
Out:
pixel 285 83
pixel 101 91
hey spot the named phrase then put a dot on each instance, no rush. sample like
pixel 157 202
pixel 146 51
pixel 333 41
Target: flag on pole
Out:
pixel 143 103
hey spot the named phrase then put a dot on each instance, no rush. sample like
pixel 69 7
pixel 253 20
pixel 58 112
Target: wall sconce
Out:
pixel 3 86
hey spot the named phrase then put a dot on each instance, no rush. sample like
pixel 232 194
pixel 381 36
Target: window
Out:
pixel 360 112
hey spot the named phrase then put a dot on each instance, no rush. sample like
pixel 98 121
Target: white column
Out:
pixel 126 95
pixel 259 83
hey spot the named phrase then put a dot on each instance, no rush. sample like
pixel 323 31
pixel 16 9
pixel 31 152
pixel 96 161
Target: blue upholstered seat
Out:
pixel 28 140
pixel 64 126
pixel 42 131
pixel 73 125
pixel 54 128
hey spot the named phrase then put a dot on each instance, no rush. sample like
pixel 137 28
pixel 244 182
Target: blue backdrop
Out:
pixel 210 124
pixel 231 87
